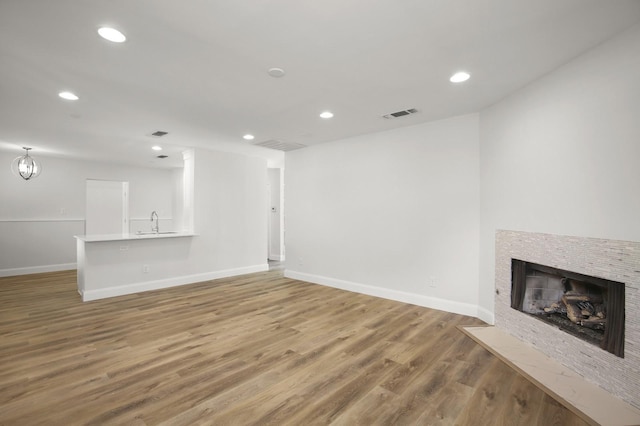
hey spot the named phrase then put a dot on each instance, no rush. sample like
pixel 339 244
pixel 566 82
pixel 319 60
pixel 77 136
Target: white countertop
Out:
pixel 128 237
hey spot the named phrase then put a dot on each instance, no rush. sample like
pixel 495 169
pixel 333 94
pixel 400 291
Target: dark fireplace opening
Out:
pixel 587 307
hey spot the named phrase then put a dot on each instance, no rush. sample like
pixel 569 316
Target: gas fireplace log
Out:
pixel 555 307
pixel 572 297
pixel 574 313
pixel 583 287
pixel 587 308
pixel 593 322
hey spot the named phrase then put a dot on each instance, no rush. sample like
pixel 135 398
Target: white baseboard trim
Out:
pixel 399 296
pixel 103 293
pixel 486 316
pixel 10 272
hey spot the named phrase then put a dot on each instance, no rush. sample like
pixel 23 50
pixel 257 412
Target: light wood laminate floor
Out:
pixel 257 349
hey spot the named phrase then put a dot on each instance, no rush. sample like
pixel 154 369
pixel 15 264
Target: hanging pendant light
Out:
pixel 25 166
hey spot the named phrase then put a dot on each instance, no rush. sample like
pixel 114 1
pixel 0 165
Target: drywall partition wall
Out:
pixel 186 190
pixel 561 156
pixel 392 214
pixel 178 199
pixel 275 214
pixel 230 204
pixel 38 218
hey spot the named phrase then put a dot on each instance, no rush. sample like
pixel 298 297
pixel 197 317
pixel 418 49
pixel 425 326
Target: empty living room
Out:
pixel 294 213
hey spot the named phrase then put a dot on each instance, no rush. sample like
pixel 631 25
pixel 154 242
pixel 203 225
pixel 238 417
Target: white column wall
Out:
pixel 230 201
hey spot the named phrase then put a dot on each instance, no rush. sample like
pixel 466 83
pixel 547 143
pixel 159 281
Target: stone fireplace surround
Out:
pixel 607 259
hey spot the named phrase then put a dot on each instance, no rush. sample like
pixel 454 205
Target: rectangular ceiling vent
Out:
pixel 400 113
pixel 280 145
pixel 159 133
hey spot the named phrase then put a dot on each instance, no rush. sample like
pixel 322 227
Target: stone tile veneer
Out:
pixel 608 259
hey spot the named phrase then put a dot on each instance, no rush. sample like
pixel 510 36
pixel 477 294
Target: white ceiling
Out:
pixel 198 68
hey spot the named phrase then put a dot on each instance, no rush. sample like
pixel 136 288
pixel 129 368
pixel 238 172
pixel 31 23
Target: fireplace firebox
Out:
pixel 587 307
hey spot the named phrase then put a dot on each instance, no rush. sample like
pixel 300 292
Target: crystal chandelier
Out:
pixel 25 166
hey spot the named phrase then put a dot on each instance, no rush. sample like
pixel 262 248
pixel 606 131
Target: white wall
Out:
pixel 384 213
pixel 230 205
pixel 39 217
pixel 275 214
pixel 562 155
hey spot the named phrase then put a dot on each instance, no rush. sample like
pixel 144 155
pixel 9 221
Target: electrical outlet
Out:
pixel 431 282
pixel 145 269
pixel 124 248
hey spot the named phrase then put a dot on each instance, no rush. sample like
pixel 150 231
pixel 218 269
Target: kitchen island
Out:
pixel 117 264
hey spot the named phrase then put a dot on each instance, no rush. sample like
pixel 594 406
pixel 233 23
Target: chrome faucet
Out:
pixel 155 228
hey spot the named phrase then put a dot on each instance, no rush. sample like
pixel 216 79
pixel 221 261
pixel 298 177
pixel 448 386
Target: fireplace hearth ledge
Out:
pixel 593 404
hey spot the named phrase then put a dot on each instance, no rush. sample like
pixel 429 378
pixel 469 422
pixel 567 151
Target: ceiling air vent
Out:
pixel 159 133
pixel 280 145
pixel 400 113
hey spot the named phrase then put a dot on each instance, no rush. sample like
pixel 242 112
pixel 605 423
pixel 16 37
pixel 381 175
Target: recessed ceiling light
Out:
pixel 156 148
pixel 459 77
pixel 248 137
pixel 326 114
pixel 276 72
pixel 111 34
pixel 68 96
